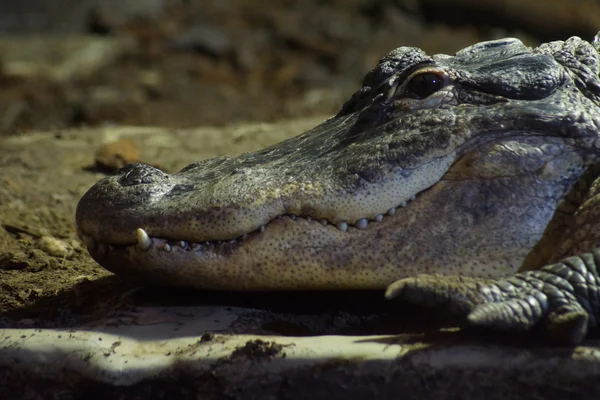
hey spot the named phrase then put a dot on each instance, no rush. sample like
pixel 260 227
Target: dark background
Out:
pixel 178 63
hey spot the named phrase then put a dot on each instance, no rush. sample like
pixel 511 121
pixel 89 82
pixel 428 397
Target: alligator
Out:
pixel 459 182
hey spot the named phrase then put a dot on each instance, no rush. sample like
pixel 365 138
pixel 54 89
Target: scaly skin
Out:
pixel 465 165
pixel 561 299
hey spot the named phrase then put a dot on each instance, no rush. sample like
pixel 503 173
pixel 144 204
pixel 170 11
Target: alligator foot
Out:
pixel 562 299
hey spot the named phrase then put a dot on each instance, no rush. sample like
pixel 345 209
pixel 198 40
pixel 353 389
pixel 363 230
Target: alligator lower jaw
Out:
pixel 289 254
pixel 146 242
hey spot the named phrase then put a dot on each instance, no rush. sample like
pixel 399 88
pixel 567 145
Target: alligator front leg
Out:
pixel 563 299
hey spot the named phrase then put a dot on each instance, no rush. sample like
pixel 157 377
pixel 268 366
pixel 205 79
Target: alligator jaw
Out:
pixel 429 235
pixel 489 156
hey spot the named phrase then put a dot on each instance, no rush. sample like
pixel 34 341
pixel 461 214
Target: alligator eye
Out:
pixel 424 84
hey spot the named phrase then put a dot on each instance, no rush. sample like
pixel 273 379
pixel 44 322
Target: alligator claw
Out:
pixel 562 300
pixel 457 294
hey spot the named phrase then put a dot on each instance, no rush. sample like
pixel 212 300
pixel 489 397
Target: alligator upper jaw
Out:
pixel 145 241
pixel 319 174
pixel 166 215
pixel 225 198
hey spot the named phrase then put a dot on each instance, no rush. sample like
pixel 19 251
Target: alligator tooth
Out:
pixel 244 236
pixel 182 244
pixel 412 197
pixel 233 241
pixel 143 240
pixel 167 247
pixel 342 226
pixel 323 221
pixel 379 217
pixel 361 223
pixel 391 211
pixel 293 217
pixel 403 204
pixel 308 218
pixel 262 228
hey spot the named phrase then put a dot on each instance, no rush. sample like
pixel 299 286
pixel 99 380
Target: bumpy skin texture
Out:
pixel 561 299
pixel 465 165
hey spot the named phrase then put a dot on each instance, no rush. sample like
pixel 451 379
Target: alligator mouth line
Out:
pixel 145 242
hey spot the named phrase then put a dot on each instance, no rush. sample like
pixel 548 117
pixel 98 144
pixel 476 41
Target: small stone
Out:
pixel 55 247
pixel 116 155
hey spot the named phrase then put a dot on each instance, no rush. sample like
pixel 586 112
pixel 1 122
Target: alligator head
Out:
pixel 438 164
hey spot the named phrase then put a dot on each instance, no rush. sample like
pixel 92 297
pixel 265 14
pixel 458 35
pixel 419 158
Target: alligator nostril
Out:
pixel 137 174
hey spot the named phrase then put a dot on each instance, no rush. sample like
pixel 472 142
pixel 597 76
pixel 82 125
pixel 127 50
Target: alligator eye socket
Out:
pixel 423 85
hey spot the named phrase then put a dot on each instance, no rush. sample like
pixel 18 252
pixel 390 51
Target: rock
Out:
pixel 54 247
pixel 172 358
pixel 117 154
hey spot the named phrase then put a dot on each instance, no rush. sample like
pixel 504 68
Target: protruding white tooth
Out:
pixel 412 197
pixel 342 226
pixel 167 248
pixel 233 241
pixel 323 222
pixel 183 244
pixel 403 204
pixel 391 211
pixel 143 240
pixel 293 217
pixel 262 228
pixel 244 236
pixel 362 223
pixel 379 217
pixel 308 218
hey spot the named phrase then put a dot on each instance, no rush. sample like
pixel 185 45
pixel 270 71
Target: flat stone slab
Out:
pixel 223 345
pixel 183 349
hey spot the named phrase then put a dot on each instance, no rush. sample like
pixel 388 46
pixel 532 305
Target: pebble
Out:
pixel 55 247
pixel 117 154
